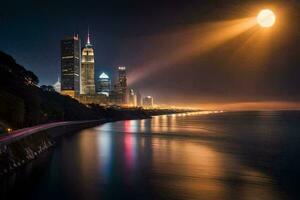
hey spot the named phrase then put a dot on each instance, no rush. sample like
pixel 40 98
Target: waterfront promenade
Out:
pixel 24 132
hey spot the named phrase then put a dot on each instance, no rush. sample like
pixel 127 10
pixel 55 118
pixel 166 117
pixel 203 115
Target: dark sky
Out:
pixel 145 34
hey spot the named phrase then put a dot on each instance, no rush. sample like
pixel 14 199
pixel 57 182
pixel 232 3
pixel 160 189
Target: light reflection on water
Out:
pixel 183 156
pixel 181 168
pixel 104 144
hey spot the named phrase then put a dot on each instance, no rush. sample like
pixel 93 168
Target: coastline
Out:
pixel 16 152
pixel 27 144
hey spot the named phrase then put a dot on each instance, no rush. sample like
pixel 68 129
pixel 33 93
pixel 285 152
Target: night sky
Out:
pixel 145 35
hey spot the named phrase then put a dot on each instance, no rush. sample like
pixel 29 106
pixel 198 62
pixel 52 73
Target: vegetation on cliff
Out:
pixel 24 104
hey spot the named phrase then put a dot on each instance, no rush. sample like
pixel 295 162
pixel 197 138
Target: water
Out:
pixel 235 155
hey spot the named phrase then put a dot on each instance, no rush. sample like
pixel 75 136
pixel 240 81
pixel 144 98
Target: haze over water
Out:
pixel 234 155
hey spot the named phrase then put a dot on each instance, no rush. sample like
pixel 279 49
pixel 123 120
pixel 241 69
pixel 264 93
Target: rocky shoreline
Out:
pixel 19 152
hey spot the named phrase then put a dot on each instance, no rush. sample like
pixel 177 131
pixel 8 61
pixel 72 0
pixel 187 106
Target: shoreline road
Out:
pixel 24 132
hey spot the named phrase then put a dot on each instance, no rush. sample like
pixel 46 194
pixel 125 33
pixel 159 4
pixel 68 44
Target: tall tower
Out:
pixel 103 84
pixel 70 66
pixel 132 98
pixel 138 98
pixel 122 84
pixel 88 69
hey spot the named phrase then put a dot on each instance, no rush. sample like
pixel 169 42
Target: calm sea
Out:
pixel 213 156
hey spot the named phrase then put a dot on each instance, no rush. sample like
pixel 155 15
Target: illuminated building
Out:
pixel 57 86
pixel 121 86
pixel 148 101
pixel 92 99
pixel 70 66
pixel 114 96
pixel 88 69
pixel 138 98
pixel 132 98
pixel 103 84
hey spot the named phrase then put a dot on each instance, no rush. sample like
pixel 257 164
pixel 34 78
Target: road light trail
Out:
pixel 21 133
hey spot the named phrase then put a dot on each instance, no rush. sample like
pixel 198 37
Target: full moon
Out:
pixel 266 18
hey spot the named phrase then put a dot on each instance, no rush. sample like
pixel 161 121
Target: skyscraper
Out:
pixel 148 102
pixel 122 84
pixel 70 66
pixel 132 98
pixel 88 69
pixel 138 98
pixel 103 84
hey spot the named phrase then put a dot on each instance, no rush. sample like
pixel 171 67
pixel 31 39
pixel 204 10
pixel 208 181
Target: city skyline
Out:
pixel 121 38
pixel 79 80
pixel 168 99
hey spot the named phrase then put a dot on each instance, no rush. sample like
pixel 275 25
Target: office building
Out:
pixel 88 69
pixel 132 98
pixel 103 84
pixel 70 66
pixel 138 98
pixel 148 101
pixel 122 84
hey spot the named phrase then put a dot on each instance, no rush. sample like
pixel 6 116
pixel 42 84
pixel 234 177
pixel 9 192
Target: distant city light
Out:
pixel 122 68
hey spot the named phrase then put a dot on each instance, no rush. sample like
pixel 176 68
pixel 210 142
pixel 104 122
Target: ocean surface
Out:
pixel 204 155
